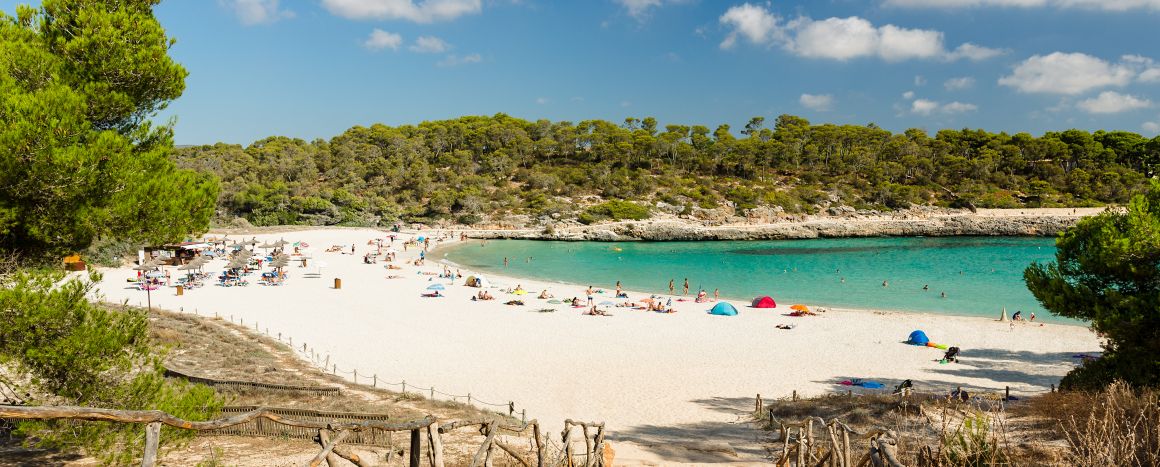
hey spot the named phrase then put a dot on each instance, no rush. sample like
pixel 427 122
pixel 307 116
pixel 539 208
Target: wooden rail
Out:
pixel 237 384
pixel 331 434
pixel 259 427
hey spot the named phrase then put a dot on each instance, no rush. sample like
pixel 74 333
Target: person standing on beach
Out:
pixel 716 294
pixel 685 288
pixel 505 261
pixel 671 289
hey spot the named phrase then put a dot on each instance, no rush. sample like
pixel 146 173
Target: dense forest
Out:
pixel 475 169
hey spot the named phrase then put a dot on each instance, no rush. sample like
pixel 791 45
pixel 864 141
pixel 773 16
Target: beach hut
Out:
pixel 723 309
pixel 477 281
pixel 764 302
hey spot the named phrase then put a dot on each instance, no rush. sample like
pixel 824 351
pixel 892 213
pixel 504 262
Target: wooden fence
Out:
pixel 261 427
pixel 235 384
pixel 331 434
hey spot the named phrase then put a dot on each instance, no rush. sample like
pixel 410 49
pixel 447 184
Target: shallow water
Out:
pixel 979 275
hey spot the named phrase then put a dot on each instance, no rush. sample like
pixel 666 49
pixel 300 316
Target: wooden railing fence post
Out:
pixel 152 441
pixel 416 446
pixel 539 444
pixel 435 440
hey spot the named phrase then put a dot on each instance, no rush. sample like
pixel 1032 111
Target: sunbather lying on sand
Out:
pixel 433 294
pixel 545 295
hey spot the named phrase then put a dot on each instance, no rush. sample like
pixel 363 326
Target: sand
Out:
pixel 683 376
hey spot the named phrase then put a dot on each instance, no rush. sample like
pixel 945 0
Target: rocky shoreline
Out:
pixel 825 227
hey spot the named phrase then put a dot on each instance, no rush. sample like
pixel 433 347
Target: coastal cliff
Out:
pixel 967 224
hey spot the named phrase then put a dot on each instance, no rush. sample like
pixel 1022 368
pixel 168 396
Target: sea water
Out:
pixel 974 276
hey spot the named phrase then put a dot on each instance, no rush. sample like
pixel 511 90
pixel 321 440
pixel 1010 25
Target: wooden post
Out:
pixel 587 447
pixel 846 448
pixel 152 440
pixel 324 440
pixel 795 395
pixel 1007 393
pixel 598 448
pixel 416 446
pixel 469 398
pixel 375 380
pixel 1052 387
pixel 801 453
pixel 432 392
pixel 810 438
pixel 538 437
pixel 511 409
pixel 356 376
pixel 404 391
pixel 567 445
pixel 435 441
pixel 334 369
pixel 524 415
pixel 483 454
pixel 757 405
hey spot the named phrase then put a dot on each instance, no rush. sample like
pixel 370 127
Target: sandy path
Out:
pixel 650 376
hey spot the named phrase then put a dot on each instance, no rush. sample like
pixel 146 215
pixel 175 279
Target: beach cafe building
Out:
pixel 174 254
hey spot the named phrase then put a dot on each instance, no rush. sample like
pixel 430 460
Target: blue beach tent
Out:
pixel 918 338
pixel 723 309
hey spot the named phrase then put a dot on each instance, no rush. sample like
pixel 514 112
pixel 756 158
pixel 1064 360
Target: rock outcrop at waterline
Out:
pixel 675 230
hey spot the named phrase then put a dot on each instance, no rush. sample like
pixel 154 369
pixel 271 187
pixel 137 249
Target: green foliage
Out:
pixel 1107 272
pixel 616 210
pixel 499 164
pixel 78 160
pixel 974 443
pixel 89 355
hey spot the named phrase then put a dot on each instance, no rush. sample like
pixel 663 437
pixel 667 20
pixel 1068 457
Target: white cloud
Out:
pixel 542 100
pixel 817 102
pixel 840 38
pixel 974 53
pixel 919 80
pixel 1107 5
pixel 455 60
pixel 751 22
pixel 923 106
pixel 252 12
pixel 429 45
pixel 1151 127
pixel 640 9
pixel 958 108
pixel 955 84
pixel 1149 71
pixel 1110 102
pixel 380 39
pixel 908 95
pixel 1066 73
pixel 927 107
pixel 425 11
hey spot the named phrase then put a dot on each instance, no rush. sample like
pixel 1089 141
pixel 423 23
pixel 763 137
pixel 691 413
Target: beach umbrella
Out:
pixel 266 246
pixel 281 242
pixel 436 287
pixel 146 266
pixel 188 266
pixel 800 307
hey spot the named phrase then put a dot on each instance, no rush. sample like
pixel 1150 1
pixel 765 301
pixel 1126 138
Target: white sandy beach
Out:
pixel 649 376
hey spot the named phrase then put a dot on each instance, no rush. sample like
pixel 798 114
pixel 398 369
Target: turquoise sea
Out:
pixel 979 275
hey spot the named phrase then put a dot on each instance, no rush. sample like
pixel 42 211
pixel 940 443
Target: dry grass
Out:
pixel 218 349
pixel 1116 426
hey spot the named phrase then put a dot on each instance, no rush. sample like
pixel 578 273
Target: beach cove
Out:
pixel 654 378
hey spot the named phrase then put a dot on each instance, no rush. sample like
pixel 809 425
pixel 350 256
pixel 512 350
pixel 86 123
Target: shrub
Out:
pixel 89 355
pixel 615 210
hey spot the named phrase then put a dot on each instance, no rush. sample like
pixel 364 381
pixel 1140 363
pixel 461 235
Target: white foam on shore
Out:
pixel 633 370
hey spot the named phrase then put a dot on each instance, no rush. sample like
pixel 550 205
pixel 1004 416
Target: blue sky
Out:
pixel 313 68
